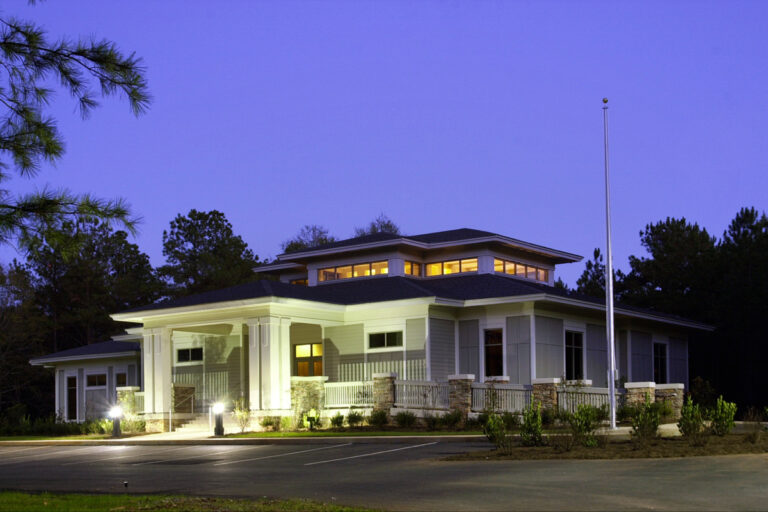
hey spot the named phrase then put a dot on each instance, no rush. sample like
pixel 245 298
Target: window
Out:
pixel 494 353
pixel 72 398
pixel 189 355
pixel 303 282
pixel 521 270
pixel 385 339
pixel 96 380
pixel 412 268
pixel 121 380
pixel 376 268
pixel 574 355
pixel 452 267
pixel 308 360
pixel 660 363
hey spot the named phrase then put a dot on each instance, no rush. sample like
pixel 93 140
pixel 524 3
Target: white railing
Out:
pixel 500 397
pixel 348 394
pixel 419 394
pixel 570 399
pixel 138 402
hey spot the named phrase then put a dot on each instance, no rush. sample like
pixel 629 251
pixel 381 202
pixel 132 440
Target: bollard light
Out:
pixel 116 413
pixel 218 411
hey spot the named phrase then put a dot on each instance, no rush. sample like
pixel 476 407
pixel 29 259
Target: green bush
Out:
pixel 451 420
pixel 691 423
pixel 511 420
pixel 664 408
pixel 548 417
pixel 354 419
pixel 722 417
pixel 378 418
pixel 531 430
pixel 431 421
pixel 753 419
pixel 645 423
pixel 625 413
pixel 273 423
pixel 496 433
pixel 337 420
pixel 472 424
pixel 584 422
pixel 405 419
pixel 242 414
pixel 482 418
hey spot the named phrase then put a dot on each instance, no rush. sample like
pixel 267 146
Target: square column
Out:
pixel 275 363
pixel 148 366
pixel 254 365
pixel 162 369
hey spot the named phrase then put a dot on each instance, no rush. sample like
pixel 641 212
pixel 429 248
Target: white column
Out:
pixel 162 369
pixel 59 381
pixel 148 365
pixel 533 346
pixel 285 363
pixel 427 355
pixel 254 366
pixel 271 362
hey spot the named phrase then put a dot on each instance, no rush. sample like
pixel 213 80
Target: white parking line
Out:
pixel 6 461
pixel 370 454
pixel 127 456
pixel 186 458
pixel 281 454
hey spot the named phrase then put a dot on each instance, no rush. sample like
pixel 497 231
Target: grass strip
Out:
pixel 25 501
pixel 352 433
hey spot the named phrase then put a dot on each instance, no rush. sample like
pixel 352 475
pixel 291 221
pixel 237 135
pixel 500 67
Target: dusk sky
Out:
pixel 439 114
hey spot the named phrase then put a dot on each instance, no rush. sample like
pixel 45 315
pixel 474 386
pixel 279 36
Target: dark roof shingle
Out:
pixel 104 348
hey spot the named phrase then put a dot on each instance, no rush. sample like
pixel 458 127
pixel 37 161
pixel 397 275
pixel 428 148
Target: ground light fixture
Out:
pixel 218 412
pixel 116 413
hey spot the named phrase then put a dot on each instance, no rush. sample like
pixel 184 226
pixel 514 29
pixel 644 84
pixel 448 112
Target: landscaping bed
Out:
pixel 731 444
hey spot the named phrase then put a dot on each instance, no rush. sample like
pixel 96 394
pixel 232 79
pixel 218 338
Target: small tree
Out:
pixel 532 428
pixel 691 423
pixel 242 414
pixel 722 417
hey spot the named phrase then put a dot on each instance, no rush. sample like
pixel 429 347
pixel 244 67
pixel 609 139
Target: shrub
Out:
pixel 354 418
pixel 431 421
pixel 405 419
pixel 132 424
pixel 271 422
pixel 242 414
pixel 452 420
pixel 531 430
pixel 284 423
pixel 754 418
pixel 496 433
pixel 584 422
pixel 645 423
pixel 472 424
pixel 511 420
pixel 625 413
pixel 561 443
pixel 722 417
pixel 337 420
pixel 548 417
pixel 664 409
pixel 482 418
pixel 691 423
pixel 378 418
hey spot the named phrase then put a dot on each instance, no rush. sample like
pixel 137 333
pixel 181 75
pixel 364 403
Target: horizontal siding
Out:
pixel 642 357
pixel 442 348
pixel 343 357
pixel 597 356
pixel 468 347
pixel 519 349
pixel 550 347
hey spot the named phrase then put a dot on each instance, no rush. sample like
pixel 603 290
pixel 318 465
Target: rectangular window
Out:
pixel 303 282
pixel 520 270
pixel 189 355
pixel 542 275
pixel 385 339
pixel 469 265
pixel 121 380
pixel 96 380
pixel 344 272
pixel 375 268
pixel 498 265
pixel 660 363
pixel 434 269
pixel 494 353
pixel 531 272
pixel 308 360
pixel 412 268
pixel 362 270
pixel 379 268
pixel 574 355
pixel 509 267
pixel 452 267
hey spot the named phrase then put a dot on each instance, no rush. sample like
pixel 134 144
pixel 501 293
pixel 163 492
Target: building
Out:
pixel 425 308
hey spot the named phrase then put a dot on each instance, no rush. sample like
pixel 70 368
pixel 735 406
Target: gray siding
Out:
pixel 622 359
pixel 344 359
pixel 597 355
pixel 442 348
pixel 468 347
pixel 642 357
pixel 519 349
pixel 550 347
pixel 385 362
pixel 678 361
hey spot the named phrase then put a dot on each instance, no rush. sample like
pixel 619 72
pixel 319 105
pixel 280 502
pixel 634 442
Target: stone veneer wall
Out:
pixel 460 395
pixel 307 393
pixel 545 392
pixel 384 391
pixel 672 393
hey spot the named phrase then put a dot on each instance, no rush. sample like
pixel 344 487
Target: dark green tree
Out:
pixel 311 235
pixel 381 224
pixel 202 253
pixel 592 280
pixel 86 69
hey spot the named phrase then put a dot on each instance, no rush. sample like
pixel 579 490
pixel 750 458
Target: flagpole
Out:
pixel 609 280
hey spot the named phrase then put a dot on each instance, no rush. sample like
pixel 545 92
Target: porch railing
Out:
pixel 348 394
pixel 138 402
pixel 570 399
pixel 500 397
pixel 421 394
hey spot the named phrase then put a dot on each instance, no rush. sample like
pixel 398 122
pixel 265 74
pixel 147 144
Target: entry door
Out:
pixel 72 398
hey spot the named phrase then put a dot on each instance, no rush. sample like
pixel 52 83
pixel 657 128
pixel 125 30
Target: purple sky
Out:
pixel 439 114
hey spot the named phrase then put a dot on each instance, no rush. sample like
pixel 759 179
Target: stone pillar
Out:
pixel 545 392
pixel 384 391
pixel 460 397
pixel 307 393
pixel 637 391
pixel 672 393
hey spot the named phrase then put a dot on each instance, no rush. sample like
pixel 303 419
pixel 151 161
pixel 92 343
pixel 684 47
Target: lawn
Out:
pixel 619 449
pixel 22 502
pixel 355 433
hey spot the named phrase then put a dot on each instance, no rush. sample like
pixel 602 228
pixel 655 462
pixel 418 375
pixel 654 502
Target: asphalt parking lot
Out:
pixel 395 476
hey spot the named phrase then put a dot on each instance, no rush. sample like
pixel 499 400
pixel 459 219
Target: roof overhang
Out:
pixel 45 361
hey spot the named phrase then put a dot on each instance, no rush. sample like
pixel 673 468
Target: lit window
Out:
pixel 376 268
pixel 531 272
pixel 520 270
pixel 303 282
pixel 362 270
pixel 379 268
pixel 469 265
pixel 385 339
pixel 344 272
pixel 498 265
pixel 308 360
pixel 451 267
pixel 412 268
pixel 434 269
pixel 542 275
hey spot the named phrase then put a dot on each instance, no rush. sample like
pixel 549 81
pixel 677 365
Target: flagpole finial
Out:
pixel 605 100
